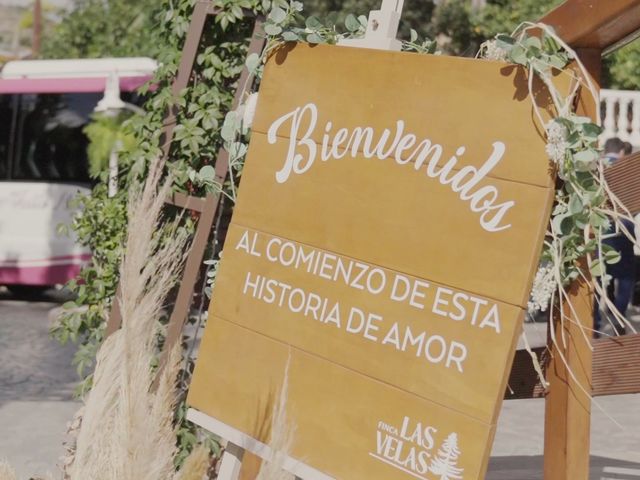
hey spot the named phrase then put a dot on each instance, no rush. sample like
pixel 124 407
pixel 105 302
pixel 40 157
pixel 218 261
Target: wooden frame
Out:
pixel 208 207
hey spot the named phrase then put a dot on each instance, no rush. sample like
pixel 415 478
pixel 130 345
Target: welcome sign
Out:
pixel 388 227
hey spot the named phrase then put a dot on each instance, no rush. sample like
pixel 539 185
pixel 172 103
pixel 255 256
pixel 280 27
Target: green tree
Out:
pixel 622 68
pixel 416 15
pixel 503 16
pixel 106 28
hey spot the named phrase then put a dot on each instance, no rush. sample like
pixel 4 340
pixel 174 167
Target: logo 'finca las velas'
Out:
pixel 403 148
pixel 412 449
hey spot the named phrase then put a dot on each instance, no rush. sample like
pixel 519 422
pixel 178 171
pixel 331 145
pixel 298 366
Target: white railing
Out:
pixel 621 115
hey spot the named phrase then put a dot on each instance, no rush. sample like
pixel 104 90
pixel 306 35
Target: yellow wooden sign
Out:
pixel 389 223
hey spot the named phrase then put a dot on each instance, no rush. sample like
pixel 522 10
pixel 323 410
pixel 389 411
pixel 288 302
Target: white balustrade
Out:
pixel 621 115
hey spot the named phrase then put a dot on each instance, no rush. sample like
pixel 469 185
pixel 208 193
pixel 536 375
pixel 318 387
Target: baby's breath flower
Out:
pixel 543 286
pixel 493 52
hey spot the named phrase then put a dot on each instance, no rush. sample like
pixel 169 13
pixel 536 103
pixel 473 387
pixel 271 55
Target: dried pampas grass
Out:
pixel 127 430
pixel 281 437
pixel 195 466
pixel 7 472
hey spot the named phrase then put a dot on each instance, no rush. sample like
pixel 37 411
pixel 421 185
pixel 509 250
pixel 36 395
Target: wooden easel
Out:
pixel 209 207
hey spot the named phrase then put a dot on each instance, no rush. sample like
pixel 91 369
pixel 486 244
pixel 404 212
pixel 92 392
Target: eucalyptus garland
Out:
pixel 585 210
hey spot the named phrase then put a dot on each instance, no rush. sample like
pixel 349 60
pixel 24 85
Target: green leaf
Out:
pixel 597 268
pixel 575 205
pixel 414 35
pixel 505 39
pixel 290 36
pixel 252 62
pixel 586 156
pixel 314 38
pixel 591 130
pixel 557 61
pixel 518 55
pixel 207 173
pixel 352 23
pixel 313 23
pixel 532 42
pixel 272 30
pixel 277 15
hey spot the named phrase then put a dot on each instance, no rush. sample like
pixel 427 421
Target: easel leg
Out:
pixel 231 462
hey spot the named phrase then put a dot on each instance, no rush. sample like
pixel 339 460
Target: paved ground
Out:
pixel 37 381
pixel 36 388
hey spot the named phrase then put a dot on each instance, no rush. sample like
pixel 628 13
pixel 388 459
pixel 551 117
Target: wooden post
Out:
pixel 568 403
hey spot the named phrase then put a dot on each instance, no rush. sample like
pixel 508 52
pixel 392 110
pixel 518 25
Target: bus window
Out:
pixel 6 121
pixel 50 145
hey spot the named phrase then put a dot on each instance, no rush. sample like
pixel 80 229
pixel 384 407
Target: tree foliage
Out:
pixel 622 68
pixel 106 28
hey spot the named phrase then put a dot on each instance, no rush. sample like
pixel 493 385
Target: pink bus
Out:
pixel 44 105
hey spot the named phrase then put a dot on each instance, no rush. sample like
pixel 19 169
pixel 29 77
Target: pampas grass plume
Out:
pixel 7 472
pixel 127 430
pixel 281 436
pixel 196 465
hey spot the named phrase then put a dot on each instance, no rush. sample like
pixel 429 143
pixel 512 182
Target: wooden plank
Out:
pixel 427 116
pixel 327 320
pixel 623 177
pixel 342 224
pixel 616 361
pixel 568 403
pixel 182 200
pixel 568 400
pixel 344 413
pixel 595 23
pixel 615 369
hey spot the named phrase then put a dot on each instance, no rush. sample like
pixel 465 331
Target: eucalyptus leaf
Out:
pixel 252 62
pixel 277 15
pixel 586 156
pixel 313 23
pixel 518 55
pixel 591 130
pixel 314 38
pixel 533 42
pixel 207 173
pixel 575 205
pixel 289 36
pixel 352 23
pixel 271 29
pixel 414 35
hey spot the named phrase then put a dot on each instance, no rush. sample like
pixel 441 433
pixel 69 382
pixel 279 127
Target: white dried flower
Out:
pixel 493 52
pixel 556 150
pixel 556 132
pixel 544 285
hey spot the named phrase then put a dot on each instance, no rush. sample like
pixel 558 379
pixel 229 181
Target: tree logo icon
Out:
pixel 445 463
